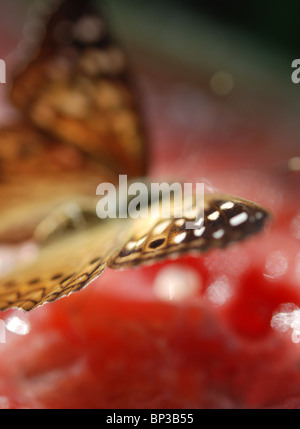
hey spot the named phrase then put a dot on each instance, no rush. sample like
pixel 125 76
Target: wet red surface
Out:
pixel 116 344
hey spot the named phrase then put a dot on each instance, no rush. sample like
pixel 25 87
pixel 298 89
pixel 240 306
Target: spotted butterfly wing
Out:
pixel 71 262
pixel 226 220
pixel 75 86
pixel 76 102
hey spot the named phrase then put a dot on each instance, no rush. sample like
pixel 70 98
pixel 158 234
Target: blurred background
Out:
pixel 271 29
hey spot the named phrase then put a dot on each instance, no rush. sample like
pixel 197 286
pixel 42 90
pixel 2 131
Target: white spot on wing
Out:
pixel 226 206
pixel 180 222
pixel 179 238
pixel 199 222
pixel 213 216
pixel 218 234
pixel 238 219
pixel 199 232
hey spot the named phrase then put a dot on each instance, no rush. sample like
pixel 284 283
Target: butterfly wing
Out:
pixel 75 86
pixel 80 127
pixel 83 125
pixel 226 220
pixel 61 267
pixel 37 174
pixel 72 262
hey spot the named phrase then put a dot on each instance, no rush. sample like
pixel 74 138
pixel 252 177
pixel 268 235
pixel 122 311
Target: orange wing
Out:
pixel 75 87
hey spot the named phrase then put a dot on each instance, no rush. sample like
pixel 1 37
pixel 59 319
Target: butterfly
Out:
pixel 80 125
